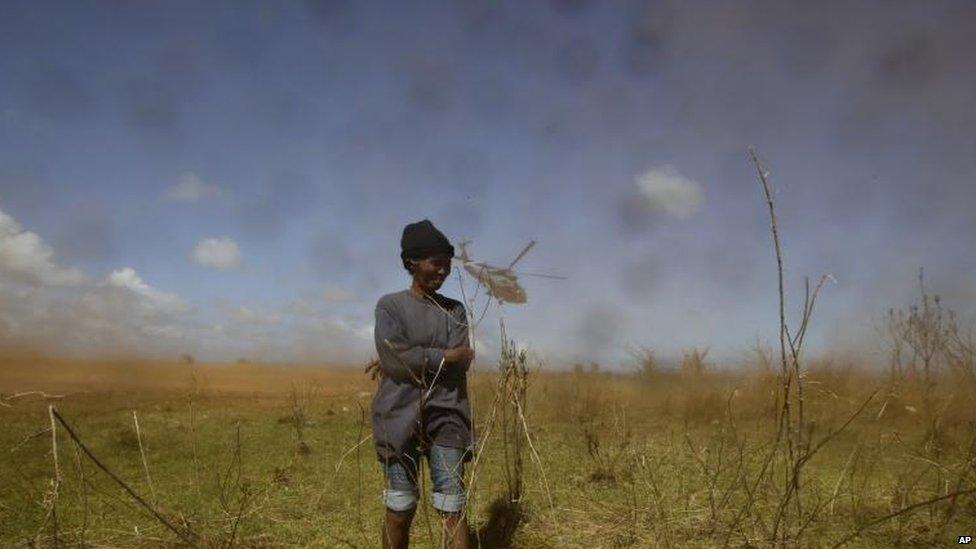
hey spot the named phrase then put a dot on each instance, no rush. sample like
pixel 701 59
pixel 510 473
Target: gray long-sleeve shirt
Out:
pixel 411 334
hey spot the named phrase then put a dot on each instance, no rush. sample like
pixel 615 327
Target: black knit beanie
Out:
pixel 422 239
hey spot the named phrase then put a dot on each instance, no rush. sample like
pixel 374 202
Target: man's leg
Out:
pixel 456 533
pixel 447 478
pixel 396 528
pixel 400 499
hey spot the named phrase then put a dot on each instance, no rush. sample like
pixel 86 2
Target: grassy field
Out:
pixel 260 455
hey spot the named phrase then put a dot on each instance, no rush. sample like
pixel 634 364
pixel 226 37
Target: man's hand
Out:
pixel 459 355
pixel 373 369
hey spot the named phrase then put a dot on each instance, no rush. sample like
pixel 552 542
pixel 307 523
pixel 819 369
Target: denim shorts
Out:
pixel 446 476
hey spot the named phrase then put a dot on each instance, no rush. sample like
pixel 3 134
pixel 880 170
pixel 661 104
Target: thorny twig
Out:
pixel 5 401
pixel 189 537
pixel 900 512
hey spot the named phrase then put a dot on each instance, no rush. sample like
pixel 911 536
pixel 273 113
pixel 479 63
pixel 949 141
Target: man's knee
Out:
pixel 449 503
pixel 400 500
pixel 400 518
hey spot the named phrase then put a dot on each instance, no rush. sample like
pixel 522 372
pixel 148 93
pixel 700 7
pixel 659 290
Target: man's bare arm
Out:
pixel 459 355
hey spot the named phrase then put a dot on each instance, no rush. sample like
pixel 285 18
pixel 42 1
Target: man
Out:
pixel 421 405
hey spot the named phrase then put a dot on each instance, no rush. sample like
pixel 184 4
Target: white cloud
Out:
pixel 300 309
pixel 325 329
pixel 364 331
pixel 323 337
pixel 191 188
pixel 57 309
pixel 240 314
pixel 666 190
pixel 165 331
pixel 24 257
pixel 337 325
pixel 243 314
pixel 335 293
pixel 157 300
pixel 218 253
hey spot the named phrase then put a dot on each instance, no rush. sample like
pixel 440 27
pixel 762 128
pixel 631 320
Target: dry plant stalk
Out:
pixel 56 481
pixel 924 331
pixel 359 473
pixel 931 332
pixel 846 539
pixel 785 372
pixel 798 449
pixel 512 384
pixel 515 381
pixel 299 415
pixel 187 536
pixel 82 483
pixel 193 433
pixel 142 452
pixel 5 400
pixel 476 447
pixel 245 492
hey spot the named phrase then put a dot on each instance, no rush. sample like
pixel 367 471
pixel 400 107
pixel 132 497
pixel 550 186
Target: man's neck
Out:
pixel 417 291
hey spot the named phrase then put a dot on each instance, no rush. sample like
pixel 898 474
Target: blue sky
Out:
pixel 245 169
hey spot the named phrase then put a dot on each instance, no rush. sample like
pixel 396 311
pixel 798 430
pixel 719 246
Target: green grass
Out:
pixel 641 462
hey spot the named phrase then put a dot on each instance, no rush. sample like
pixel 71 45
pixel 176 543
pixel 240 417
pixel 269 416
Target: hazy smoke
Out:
pixel 338 122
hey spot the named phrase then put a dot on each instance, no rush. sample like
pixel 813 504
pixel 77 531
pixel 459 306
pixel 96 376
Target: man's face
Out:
pixel 430 273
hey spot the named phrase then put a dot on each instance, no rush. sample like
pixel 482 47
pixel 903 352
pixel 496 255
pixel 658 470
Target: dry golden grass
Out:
pixel 260 455
pixel 52 374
